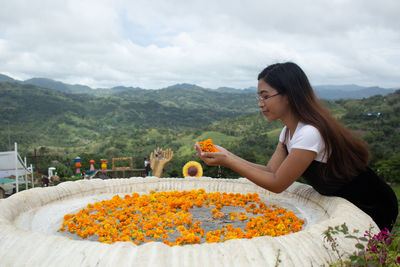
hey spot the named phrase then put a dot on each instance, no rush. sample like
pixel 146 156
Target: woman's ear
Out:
pixel 285 99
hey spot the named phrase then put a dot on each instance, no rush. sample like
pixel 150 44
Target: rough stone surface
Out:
pixel 29 221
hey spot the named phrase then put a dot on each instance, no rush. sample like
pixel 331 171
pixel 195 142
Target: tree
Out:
pixel 389 170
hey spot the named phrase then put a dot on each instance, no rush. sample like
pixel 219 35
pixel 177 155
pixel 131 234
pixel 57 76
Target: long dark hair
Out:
pixel 347 154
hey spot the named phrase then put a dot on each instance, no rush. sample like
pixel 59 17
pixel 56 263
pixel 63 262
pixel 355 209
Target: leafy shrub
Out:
pixel 62 170
pixel 382 249
pixel 389 170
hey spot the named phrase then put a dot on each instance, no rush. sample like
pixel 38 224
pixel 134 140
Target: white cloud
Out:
pixel 153 44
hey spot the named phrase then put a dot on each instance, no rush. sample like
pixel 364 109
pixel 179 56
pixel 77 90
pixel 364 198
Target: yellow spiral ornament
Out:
pixel 193 169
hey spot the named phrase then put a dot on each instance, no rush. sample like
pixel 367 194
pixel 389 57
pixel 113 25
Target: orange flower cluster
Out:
pixel 208 146
pixel 164 216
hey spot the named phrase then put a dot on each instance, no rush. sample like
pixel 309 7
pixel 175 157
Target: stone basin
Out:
pixel 29 221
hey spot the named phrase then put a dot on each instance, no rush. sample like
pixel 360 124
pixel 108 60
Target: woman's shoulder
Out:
pixel 307 129
pixel 282 135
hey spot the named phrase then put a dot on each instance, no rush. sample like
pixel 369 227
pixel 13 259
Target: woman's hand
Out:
pixel 214 158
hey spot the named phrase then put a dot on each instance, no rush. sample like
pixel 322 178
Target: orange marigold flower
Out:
pixel 208 146
pixel 152 217
pixel 242 217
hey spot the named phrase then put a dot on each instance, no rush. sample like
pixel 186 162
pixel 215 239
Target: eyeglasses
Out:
pixel 261 99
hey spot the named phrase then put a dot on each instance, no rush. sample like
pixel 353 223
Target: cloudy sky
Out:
pixel 211 43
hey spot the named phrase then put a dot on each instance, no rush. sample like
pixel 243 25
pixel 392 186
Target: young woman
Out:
pixel 312 145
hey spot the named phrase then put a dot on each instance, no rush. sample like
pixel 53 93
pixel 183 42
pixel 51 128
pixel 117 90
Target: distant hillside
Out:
pixel 184 86
pixel 124 88
pixel 59 86
pixel 135 121
pixel 5 78
pixel 51 84
pixel 330 92
pixel 37 113
pixel 334 92
pixel 252 90
pixel 196 98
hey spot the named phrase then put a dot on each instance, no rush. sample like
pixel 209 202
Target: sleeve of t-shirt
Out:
pixel 282 135
pixel 308 138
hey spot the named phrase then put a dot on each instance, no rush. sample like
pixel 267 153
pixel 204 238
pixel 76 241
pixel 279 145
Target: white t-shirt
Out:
pixel 305 137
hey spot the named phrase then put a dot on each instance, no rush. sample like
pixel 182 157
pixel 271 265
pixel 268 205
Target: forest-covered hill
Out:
pixel 44 117
pixel 330 92
pixel 133 122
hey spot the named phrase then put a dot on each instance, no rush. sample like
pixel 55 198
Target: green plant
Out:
pixel 396 188
pixel 382 249
pixel 358 257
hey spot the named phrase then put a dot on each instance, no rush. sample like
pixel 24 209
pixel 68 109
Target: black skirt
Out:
pixel 366 191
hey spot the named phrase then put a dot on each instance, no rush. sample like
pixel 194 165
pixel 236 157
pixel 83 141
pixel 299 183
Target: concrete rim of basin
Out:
pixel 21 245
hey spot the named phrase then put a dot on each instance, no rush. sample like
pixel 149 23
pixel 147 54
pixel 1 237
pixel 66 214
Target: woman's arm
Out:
pixel 283 170
pixel 255 165
pixel 277 158
pixel 273 164
pixel 291 168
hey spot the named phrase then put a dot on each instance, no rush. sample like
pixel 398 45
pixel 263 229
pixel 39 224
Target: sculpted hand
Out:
pixel 157 162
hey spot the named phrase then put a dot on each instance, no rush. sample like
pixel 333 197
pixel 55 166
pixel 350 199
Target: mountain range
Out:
pixel 329 92
pixel 126 121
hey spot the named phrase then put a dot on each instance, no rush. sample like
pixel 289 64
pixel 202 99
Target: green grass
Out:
pixel 218 138
pixel 396 189
pixel 275 132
